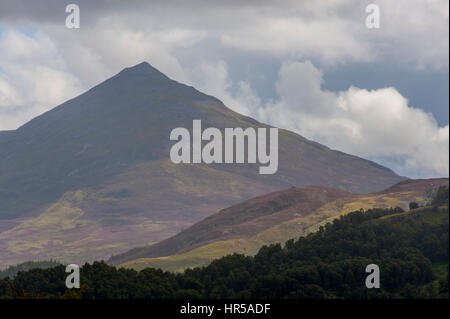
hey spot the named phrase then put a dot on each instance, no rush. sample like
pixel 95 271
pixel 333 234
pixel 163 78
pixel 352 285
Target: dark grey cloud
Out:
pixel 53 11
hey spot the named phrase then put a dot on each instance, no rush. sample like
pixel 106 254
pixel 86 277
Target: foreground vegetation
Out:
pixel 411 249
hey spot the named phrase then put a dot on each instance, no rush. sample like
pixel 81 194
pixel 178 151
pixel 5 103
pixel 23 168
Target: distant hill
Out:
pixel 268 219
pixel 92 176
pixel 409 248
pixel 12 271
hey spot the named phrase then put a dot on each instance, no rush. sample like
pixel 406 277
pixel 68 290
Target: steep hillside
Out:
pixel 126 121
pixel 93 176
pixel 273 218
pixel 245 219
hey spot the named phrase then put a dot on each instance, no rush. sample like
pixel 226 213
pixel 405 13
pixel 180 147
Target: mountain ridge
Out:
pixel 102 159
pixel 289 213
pixel 213 227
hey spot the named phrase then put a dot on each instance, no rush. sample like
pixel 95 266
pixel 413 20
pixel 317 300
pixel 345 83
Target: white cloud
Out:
pixel 114 43
pixel 212 78
pixel 9 96
pixel 42 70
pixel 33 78
pixel 377 124
pixel 413 33
pixel 329 40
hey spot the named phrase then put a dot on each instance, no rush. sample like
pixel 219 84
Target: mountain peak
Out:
pixel 143 68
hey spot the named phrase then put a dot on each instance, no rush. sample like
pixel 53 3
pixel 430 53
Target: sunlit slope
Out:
pixel 92 224
pixel 400 195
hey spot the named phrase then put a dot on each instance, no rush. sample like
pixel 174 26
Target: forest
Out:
pixel 411 249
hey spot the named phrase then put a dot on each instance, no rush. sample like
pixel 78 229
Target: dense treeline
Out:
pixel 11 271
pixel 410 248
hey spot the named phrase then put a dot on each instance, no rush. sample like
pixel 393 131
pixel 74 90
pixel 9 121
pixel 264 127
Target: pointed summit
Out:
pixel 142 65
pixel 143 68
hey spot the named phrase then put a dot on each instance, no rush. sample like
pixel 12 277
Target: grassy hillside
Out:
pixel 411 249
pixel 193 249
pixel 245 219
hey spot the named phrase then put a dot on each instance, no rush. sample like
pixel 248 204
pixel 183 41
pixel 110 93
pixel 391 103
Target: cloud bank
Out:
pixel 377 124
pixel 42 64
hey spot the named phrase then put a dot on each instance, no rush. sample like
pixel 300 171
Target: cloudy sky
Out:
pixel 309 66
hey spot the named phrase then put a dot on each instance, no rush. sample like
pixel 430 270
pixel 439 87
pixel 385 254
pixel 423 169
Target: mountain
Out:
pixel 268 219
pixel 93 177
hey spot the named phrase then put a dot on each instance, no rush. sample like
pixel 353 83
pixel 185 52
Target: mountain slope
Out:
pixel 244 219
pixel 105 156
pixel 410 248
pixel 126 120
pixel 268 219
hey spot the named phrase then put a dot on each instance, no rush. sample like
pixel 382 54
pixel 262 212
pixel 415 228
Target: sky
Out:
pixel 312 67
